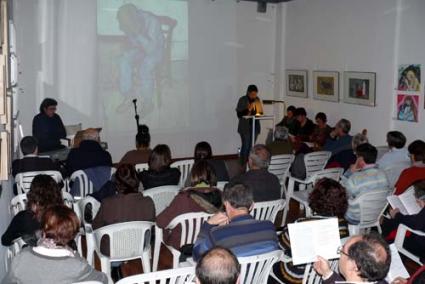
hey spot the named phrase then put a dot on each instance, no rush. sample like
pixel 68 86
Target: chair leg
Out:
pixel 146 261
pixel 285 214
pixel 157 248
pixel 105 265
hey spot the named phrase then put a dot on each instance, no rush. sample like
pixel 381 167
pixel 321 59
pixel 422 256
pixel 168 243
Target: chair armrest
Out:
pixel 401 233
pixel 65 142
pixel 306 181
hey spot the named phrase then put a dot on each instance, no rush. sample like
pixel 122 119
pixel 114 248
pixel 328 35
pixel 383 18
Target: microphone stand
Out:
pixel 136 117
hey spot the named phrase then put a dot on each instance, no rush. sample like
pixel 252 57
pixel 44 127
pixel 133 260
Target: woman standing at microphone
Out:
pixel 250 104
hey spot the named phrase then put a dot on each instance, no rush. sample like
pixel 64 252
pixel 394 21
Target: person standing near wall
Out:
pixel 250 104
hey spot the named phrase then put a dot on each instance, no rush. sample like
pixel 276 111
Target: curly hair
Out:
pixel 44 192
pixel 60 224
pixel 328 198
pixel 126 179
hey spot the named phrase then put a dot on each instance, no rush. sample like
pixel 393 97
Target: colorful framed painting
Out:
pixel 296 83
pixel 407 107
pixel 326 85
pixel 360 88
pixel 409 78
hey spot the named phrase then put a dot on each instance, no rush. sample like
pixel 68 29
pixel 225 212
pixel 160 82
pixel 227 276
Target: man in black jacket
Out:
pixel 363 259
pixel 31 161
pixel 250 104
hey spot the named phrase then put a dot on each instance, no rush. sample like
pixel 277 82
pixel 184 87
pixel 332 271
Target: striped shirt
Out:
pixel 244 236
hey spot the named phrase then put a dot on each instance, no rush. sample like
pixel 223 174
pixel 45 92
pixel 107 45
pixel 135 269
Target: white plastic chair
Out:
pixel 18 204
pixel 85 185
pixel 190 224
pixel 184 166
pixel 12 251
pixel 88 282
pixel 267 210
pixel 221 184
pixel 256 269
pixel 399 241
pixel 23 180
pixel 305 187
pixel 129 240
pixel 68 199
pixel 372 204
pixel 141 167
pixel 311 276
pixel 162 196
pixel 279 166
pixel 316 161
pixel 181 275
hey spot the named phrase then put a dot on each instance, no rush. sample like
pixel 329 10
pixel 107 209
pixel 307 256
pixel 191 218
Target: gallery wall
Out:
pixel 362 35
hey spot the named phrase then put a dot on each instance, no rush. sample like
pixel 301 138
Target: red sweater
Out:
pixel 408 177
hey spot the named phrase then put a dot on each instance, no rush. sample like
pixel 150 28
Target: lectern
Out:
pixel 255 118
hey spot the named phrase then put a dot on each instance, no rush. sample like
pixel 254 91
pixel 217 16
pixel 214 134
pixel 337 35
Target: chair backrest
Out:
pixel 221 184
pixel 185 166
pixel 84 184
pixel 333 173
pixel 23 180
pixel 18 204
pixel 267 210
pixel 68 199
pixel 371 205
pixel 162 196
pixel 13 250
pixel 126 240
pixel 316 161
pixel 190 226
pixel 171 276
pixel 82 204
pixel 311 276
pixel 256 269
pixel 280 164
pixel 141 167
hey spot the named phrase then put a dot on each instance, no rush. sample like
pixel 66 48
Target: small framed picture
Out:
pixel 360 88
pixel 296 83
pixel 326 85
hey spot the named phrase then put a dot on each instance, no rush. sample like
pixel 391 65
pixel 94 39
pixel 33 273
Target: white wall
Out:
pixel 5 197
pixel 361 35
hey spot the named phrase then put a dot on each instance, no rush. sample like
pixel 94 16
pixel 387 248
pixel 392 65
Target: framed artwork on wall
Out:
pixel 296 83
pixel 360 88
pixel 326 85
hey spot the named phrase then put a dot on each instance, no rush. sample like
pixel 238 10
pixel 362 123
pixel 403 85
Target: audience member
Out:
pixel 417 171
pixel 47 127
pixel 346 158
pixel 363 177
pixel 219 266
pixel 142 152
pixel 281 144
pixel 159 173
pixel 128 204
pixel 52 261
pixel 89 154
pixel 203 151
pixel 236 229
pixel 363 259
pixel 31 161
pixel 397 153
pixel 265 185
pixel 414 243
pixel 304 127
pixel 328 199
pixel 289 120
pixel 44 192
pixel 202 196
pixel 339 139
pixel 321 131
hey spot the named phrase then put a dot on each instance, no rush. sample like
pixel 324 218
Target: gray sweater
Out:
pixel 32 267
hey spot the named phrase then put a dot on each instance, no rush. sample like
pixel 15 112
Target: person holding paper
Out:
pixel 250 104
pixel 363 259
pixel 414 243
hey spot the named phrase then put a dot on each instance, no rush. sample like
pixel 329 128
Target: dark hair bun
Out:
pixel 143 129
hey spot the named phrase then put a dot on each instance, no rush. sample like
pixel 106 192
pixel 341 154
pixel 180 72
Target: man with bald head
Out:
pixel 363 258
pixel 219 266
pixel 265 185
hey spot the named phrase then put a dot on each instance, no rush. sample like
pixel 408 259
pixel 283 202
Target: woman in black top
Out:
pixel 44 192
pixel 48 128
pixel 159 172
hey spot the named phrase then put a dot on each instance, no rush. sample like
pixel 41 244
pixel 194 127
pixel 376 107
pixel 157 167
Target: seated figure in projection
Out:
pixel 142 54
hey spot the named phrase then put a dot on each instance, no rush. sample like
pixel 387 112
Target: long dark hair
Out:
pixel 46 103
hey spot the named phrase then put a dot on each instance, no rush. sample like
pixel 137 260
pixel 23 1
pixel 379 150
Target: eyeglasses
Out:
pixel 341 251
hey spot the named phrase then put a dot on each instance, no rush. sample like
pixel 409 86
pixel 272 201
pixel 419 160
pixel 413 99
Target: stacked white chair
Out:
pixel 141 167
pixel 372 204
pixel 185 167
pixel 279 166
pixel 305 188
pixel 23 180
pixel 183 275
pixel 190 224
pixel 162 196
pixel 399 241
pixel 256 269
pixel 127 241
pixel 267 210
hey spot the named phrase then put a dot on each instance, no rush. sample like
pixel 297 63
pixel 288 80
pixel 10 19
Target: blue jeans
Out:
pixel 246 145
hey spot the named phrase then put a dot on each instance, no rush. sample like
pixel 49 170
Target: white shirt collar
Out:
pixel 57 252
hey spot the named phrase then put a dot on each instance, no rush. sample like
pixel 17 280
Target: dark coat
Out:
pixel 244 126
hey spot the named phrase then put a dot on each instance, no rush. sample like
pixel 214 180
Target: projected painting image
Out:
pixel 142 54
